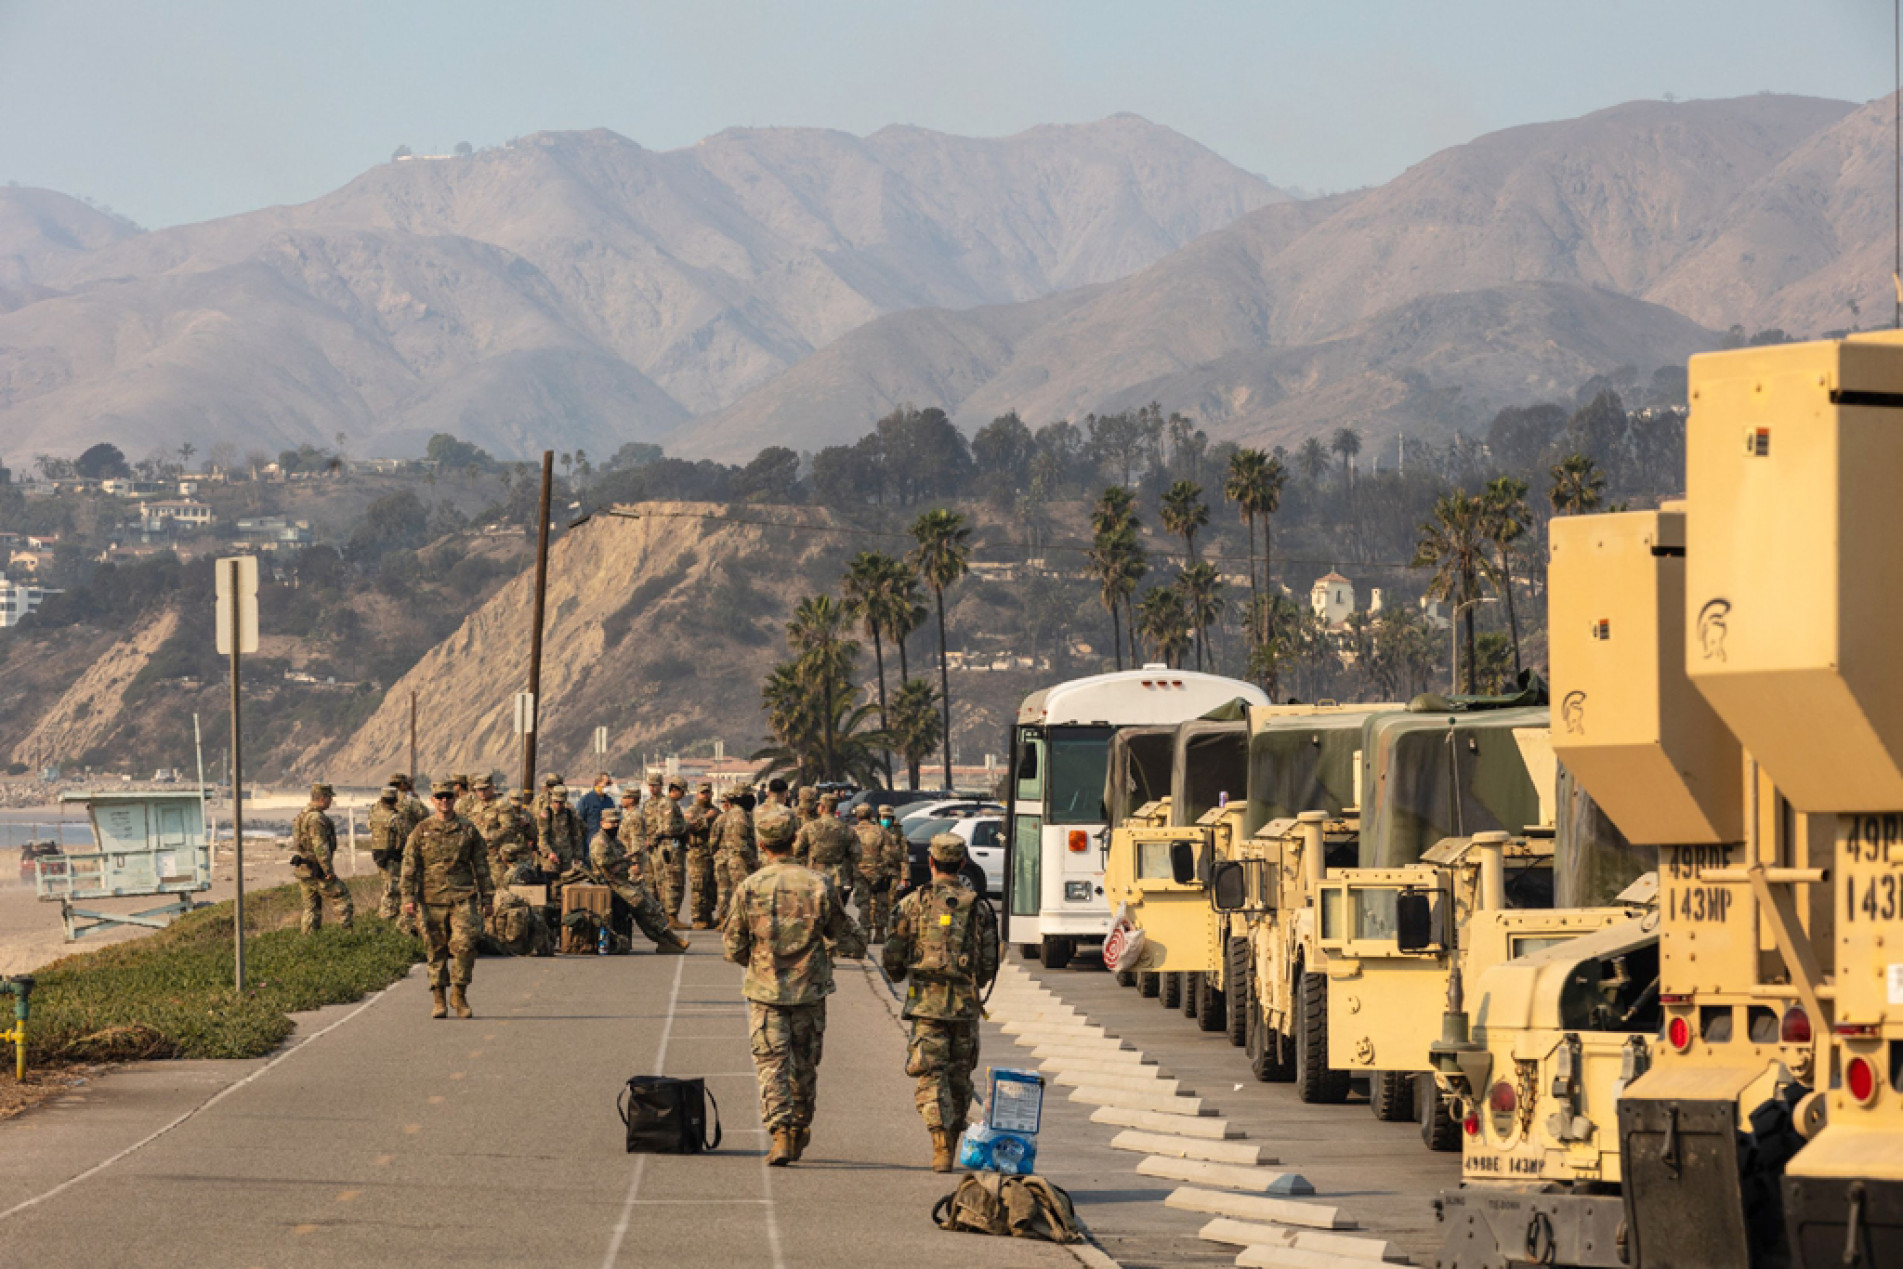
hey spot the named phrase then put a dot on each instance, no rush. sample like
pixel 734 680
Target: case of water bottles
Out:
pixel 1007 1139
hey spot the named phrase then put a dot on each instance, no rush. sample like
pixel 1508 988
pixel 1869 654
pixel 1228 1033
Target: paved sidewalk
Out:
pixel 394 1139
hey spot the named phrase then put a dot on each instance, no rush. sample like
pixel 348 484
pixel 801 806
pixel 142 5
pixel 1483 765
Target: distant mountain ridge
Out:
pixel 571 289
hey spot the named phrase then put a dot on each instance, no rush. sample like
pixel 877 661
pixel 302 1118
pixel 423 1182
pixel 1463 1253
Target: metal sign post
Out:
pixel 237 626
pixel 525 728
pixel 601 742
pixel 535 633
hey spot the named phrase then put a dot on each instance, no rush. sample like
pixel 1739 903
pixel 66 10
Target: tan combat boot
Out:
pixel 784 1149
pixel 678 946
pixel 439 1009
pixel 460 1003
pixel 942 1160
pixel 802 1137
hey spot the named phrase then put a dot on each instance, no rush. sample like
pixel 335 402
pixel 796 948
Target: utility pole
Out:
pixel 535 633
pixel 413 772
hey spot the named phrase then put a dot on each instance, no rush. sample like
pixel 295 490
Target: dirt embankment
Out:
pixel 89 710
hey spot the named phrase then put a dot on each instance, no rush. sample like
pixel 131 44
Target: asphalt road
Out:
pixel 386 1138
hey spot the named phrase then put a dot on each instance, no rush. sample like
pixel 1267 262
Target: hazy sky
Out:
pixel 179 111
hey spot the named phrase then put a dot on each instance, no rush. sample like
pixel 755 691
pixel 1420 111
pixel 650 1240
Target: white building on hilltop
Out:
pixel 17 600
pixel 1332 598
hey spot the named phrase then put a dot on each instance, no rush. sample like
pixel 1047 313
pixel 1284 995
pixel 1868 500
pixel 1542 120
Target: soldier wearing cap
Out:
pixel 504 835
pixel 465 796
pixel 623 873
pixel 447 885
pixel 827 846
pixel 785 926
pixel 313 844
pixel 558 832
pixel 550 782
pixel 390 827
pixel 808 809
pixel 699 816
pixel 667 835
pixel 874 893
pixel 414 812
pixel 736 857
pixel 946 941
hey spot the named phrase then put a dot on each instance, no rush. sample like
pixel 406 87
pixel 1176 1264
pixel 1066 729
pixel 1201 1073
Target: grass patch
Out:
pixel 170 995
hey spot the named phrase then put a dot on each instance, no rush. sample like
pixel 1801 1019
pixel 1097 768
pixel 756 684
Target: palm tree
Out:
pixel 185 453
pixel 1164 620
pixel 1118 560
pixel 915 724
pixel 944 549
pixel 868 591
pixel 1184 512
pixel 1201 587
pixel 856 751
pixel 1454 545
pixel 1577 485
pixel 1255 486
pixel 1507 514
pixel 1312 459
pixel 1346 442
pixel 816 635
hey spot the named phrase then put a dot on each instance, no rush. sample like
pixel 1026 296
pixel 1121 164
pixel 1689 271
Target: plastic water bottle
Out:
pixel 601 943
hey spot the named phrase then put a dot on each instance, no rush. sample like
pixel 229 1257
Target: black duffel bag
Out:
pixel 666 1115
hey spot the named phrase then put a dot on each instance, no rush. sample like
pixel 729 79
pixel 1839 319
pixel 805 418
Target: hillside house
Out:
pixel 19 599
pixel 274 533
pixel 1332 598
pixel 176 515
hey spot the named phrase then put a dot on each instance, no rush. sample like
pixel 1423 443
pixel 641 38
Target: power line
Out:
pixel 1024 550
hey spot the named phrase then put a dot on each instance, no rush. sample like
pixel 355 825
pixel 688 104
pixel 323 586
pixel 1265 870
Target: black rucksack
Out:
pixel 665 1115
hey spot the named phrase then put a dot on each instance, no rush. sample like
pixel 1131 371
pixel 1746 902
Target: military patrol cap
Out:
pixel 442 788
pixel 631 794
pixel 947 848
pixel 774 826
pixel 552 779
pixel 887 810
pixel 400 780
pixel 520 797
pixel 460 779
pixel 862 811
pixel 321 790
pixel 808 794
pixel 706 788
pixel 654 779
pixel 485 782
pixel 389 793
pixel 610 815
pixel 558 794
pixel 677 786
pixel 729 797
pixel 829 800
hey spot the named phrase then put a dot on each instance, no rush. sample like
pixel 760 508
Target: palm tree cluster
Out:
pixel 1254 483
pixel 1471 542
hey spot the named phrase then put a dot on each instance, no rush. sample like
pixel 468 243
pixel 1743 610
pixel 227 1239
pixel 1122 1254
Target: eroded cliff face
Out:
pixel 660 628
pixel 89 710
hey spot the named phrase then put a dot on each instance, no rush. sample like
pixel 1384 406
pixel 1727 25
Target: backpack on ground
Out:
pixel 665 1115
pixel 1017 1206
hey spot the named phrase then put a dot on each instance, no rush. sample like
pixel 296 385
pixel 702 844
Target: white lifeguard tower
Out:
pixel 144 843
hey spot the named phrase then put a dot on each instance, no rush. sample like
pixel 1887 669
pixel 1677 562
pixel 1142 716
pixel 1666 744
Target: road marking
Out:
pixel 383 1161
pixel 303 1229
pixel 456 1075
pixel 640 1162
pixel 345 1196
pixel 205 1105
pixel 438 1099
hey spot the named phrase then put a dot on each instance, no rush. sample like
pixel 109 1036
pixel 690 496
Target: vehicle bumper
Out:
pixel 1820 1213
pixel 1485 1228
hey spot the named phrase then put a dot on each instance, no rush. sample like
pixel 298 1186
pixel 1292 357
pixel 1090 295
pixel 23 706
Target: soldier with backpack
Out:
pixel 945 940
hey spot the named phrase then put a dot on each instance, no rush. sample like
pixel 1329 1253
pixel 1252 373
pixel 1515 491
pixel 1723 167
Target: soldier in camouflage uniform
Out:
pixel 874 892
pixel 313 843
pixel 517 927
pixel 826 845
pixel 667 838
pixel 898 853
pixel 558 833
pixel 550 782
pixel 699 818
pixel 735 856
pixel 622 873
pixel 807 811
pixel 504 835
pixel 414 812
pixel 783 920
pixel 465 795
pixel 446 883
pixel 946 941
pixel 389 829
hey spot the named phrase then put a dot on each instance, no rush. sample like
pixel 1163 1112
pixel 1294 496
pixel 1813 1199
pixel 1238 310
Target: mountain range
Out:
pixel 788 286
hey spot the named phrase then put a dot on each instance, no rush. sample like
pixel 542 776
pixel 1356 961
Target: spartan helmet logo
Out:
pixel 1712 628
pixel 1573 711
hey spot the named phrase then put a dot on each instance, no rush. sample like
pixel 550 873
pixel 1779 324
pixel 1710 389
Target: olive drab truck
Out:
pixel 1227 773
pixel 1059 825
pixel 1794 462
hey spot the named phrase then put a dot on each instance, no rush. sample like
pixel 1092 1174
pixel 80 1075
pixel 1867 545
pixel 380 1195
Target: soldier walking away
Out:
pixel 783 923
pixel 623 874
pixel 827 846
pixel 898 856
pixel 558 833
pixel 389 828
pixel 446 883
pixel 313 844
pixel 667 835
pixel 699 818
pixel 946 941
pixel 808 809
pixel 874 892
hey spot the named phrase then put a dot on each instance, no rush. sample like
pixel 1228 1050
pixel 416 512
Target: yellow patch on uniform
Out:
pixel 945 919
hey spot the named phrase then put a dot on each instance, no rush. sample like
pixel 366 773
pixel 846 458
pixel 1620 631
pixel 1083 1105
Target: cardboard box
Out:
pixel 535 896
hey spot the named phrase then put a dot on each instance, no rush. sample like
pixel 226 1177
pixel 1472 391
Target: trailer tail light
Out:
pixel 1795 1027
pixel 1471 1125
pixel 1501 1099
pixel 1079 841
pixel 1678 1033
pixel 1860 1080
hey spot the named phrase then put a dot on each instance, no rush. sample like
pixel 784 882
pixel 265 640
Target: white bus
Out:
pixel 1055 800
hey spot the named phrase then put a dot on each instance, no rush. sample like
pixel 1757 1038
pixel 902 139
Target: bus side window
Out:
pixel 1030 775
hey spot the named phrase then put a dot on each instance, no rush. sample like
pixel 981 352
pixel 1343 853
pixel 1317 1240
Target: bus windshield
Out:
pixel 1079 758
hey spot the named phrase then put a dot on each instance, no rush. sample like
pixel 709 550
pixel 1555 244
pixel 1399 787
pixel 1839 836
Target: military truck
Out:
pixel 1794 455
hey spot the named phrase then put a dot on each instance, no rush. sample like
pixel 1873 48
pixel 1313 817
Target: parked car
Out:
pixel 900 800
pixel 984 846
pixel 950 808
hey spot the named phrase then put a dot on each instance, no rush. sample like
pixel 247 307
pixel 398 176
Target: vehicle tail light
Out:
pixel 1471 1125
pixel 1795 1028
pixel 1678 1033
pixel 1860 1080
pixel 1501 1099
pixel 1854 1029
pixel 1079 841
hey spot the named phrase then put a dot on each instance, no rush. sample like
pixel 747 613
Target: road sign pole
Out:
pixel 413 771
pixel 237 774
pixel 535 634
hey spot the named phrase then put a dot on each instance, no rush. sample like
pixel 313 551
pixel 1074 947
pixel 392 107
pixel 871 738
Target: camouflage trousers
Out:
pixel 874 899
pixel 647 913
pixel 450 930
pixel 700 876
pixel 786 1048
pixel 315 892
pixel 730 869
pixel 943 1054
pixel 672 858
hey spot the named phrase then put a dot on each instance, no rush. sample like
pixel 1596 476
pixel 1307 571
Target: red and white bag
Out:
pixel 1124 946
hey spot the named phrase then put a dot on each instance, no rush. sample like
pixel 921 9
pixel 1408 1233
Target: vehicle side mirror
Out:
pixel 1183 863
pixel 1413 921
pixel 1228 887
